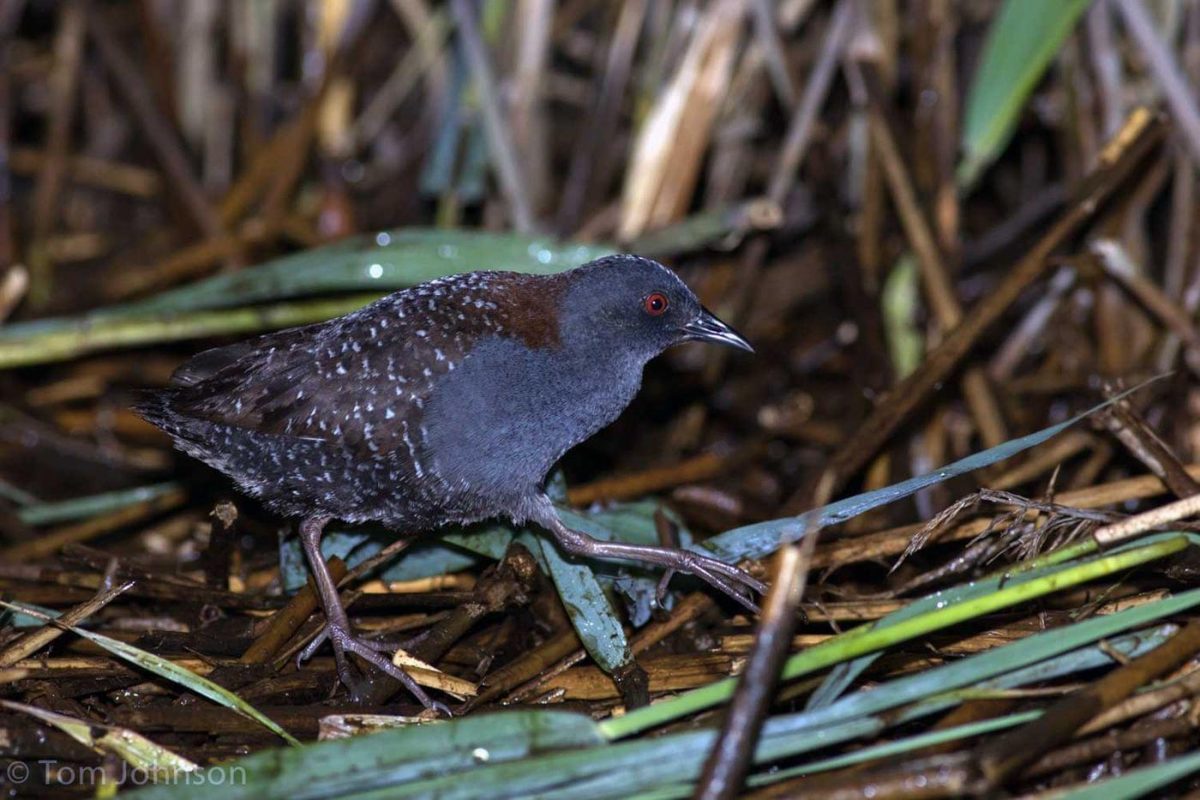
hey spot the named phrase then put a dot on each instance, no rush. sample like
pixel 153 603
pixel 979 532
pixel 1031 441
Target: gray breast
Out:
pixel 501 421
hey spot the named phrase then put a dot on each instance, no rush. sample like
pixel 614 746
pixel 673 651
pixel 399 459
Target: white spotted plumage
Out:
pixel 334 398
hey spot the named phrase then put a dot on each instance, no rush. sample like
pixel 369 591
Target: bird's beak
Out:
pixel 707 328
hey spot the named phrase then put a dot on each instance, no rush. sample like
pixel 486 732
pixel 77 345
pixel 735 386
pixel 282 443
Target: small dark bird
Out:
pixel 445 403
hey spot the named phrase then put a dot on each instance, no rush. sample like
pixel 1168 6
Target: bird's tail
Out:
pixel 154 406
pixel 264 465
pixel 192 435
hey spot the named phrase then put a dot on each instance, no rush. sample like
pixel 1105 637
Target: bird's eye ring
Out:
pixel 656 304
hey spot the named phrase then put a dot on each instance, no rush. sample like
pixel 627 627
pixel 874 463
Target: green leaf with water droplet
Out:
pixel 228 303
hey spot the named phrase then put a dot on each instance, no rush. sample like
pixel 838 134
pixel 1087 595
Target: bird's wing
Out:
pixel 362 380
pixel 208 363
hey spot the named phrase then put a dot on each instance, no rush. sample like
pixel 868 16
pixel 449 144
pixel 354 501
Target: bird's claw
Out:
pixel 373 653
pixel 312 647
pixel 731 580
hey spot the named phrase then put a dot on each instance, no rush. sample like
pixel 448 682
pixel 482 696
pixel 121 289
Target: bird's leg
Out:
pixel 338 624
pixel 734 582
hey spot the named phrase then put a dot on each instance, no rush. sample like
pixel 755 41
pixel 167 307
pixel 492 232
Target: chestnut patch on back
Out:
pixel 529 306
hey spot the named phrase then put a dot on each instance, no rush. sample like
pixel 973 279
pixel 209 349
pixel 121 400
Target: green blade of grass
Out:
pixel 587 605
pixel 899 747
pixel 92 505
pixel 763 538
pixel 22 346
pixel 1035 659
pixel 421 559
pixel 865 755
pixel 135 749
pixel 447 759
pixel 343 767
pixel 227 304
pixel 453 552
pixel 863 640
pixel 843 675
pixel 1001 667
pixel 580 584
pixel 377 263
pixel 168 670
pixel 1139 782
pixel 18 619
pixel 901 301
pixel 628 768
pixel 1023 38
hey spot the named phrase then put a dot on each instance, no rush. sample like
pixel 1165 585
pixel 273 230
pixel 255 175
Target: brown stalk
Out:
pixel 766 32
pixel 1001 759
pixel 664 166
pixel 65 586
pixel 278 165
pixel 512 179
pixel 87 171
pixel 624 487
pixel 50 542
pixel 527 111
pixel 1103 747
pixel 1147 521
pixel 1132 430
pixel 795 144
pixel 894 541
pixel 935 274
pixel 1118 265
pixel 528 667
pixel 35 640
pixel 506 584
pixel 64 80
pixel 1180 95
pixel 1031 327
pixel 10 17
pixel 195 259
pixel 162 138
pixel 667 673
pixel 425 54
pixel 729 760
pixel 1141 132
pixel 1143 703
pixel 280 626
pixel 1045 459
pixel 287 142
pixel 686 610
pixel 589 165
pixel 13 286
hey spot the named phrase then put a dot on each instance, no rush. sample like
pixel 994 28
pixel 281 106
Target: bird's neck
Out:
pixel 602 381
pixel 592 357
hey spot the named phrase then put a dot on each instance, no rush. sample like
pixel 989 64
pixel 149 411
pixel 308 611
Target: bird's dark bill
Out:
pixel 707 328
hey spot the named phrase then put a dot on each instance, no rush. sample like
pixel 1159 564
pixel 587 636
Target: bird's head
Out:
pixel 638 305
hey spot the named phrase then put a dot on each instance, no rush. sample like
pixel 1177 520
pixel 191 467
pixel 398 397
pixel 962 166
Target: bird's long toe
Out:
pixel 371 653
pixel 730 580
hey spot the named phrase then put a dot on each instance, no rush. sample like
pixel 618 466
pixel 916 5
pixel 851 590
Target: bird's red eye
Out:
pixel 655 303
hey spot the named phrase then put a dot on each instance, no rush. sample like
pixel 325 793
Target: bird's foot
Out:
pixel 729 579
pixel 726 578
pixel 372 652
pixel 322 637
